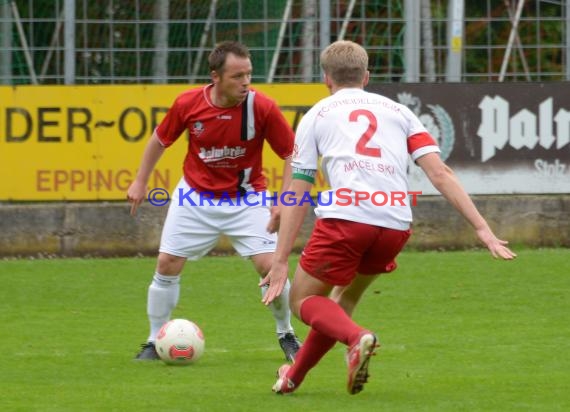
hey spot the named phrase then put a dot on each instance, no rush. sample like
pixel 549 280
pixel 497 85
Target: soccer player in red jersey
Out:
pixel 364 141
pixel 228 123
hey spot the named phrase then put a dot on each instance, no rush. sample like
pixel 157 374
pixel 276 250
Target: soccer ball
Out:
pixel 180 342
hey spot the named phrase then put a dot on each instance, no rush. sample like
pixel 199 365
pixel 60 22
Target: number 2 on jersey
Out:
pixel 361 147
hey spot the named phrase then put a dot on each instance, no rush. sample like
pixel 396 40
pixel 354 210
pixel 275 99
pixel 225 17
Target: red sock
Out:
pixel 315 346
pixel 328 318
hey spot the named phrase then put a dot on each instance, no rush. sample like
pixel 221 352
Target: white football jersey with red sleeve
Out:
pixel 364 141
pixel 225 145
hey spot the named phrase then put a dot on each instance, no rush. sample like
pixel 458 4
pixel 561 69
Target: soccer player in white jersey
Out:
pixel 364 140
pixel 227 124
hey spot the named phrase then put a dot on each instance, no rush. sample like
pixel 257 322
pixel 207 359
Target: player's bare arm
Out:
pixel 445 181
pixel 292 218
pixel 274 221
pixel 138 188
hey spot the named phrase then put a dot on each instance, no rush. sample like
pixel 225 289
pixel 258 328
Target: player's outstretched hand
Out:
pixel 135 195
pixel 497 247
pixel 276 279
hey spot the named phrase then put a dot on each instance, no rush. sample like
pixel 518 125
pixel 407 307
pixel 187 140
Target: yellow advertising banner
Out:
pixel 86 142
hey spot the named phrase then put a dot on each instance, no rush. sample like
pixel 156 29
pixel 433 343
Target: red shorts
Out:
pixel 339 249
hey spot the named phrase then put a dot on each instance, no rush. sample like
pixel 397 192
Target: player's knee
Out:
pixel 169 265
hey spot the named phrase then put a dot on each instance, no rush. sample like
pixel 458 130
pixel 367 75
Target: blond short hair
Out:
pixel 345 63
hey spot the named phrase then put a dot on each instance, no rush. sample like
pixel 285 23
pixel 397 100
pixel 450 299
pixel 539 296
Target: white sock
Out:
pixel 163 294
pixel 280 309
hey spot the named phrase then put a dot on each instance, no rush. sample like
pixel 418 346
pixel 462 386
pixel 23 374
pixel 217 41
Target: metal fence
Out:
pixel 160 41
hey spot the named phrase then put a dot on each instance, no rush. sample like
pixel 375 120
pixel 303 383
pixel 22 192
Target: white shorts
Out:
pixel 192 230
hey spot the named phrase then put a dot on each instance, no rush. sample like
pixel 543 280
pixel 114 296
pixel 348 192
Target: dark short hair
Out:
pixel 217 57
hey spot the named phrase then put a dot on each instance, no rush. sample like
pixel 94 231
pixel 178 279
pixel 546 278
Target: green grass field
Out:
pixel 459 332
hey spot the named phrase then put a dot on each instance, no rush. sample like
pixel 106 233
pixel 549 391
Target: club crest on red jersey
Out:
pixel 197 128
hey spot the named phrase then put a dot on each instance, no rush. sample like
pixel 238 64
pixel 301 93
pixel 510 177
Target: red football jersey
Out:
pixel 225 145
